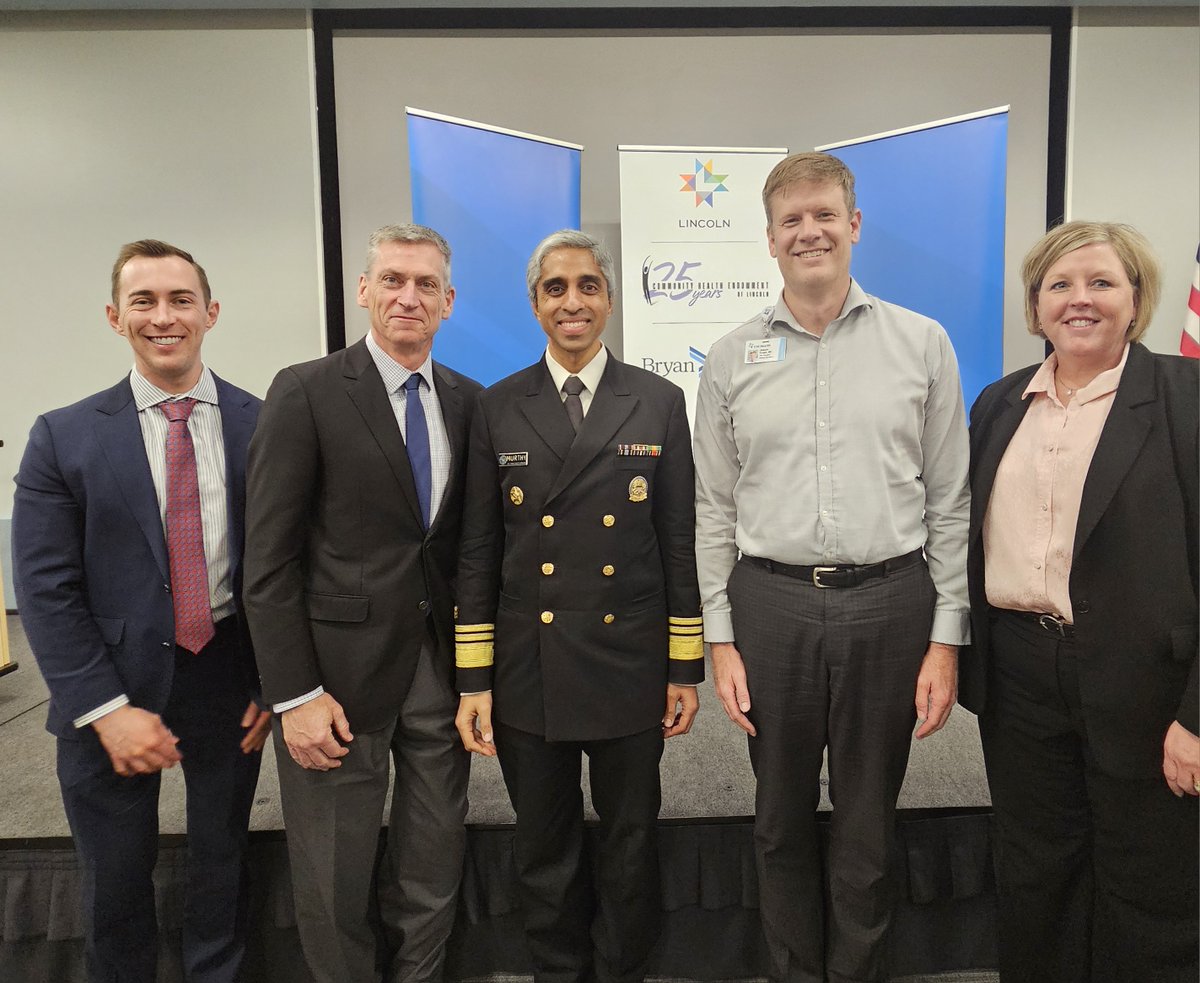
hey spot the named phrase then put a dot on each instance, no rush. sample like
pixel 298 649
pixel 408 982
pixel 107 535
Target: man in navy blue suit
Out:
pixel 127 543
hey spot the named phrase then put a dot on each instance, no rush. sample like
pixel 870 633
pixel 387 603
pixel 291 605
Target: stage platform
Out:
pixel 943 924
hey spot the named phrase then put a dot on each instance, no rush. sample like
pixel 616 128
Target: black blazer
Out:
pixel 589 531
pixel 341 576
pixel 1134 579
pixel 92 576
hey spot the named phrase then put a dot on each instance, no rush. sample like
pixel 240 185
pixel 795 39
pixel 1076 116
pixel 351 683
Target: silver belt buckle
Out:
pixel 816 577
pixel 1053 623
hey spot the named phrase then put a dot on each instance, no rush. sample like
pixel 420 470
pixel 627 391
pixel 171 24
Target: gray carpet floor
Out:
pixel 705 773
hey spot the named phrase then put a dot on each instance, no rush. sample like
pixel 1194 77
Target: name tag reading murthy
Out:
pixel 513 459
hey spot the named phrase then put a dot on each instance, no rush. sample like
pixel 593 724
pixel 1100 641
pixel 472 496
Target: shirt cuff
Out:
pixel 102 711
pixel 951 627
pixel 718 626
pixel 299 700
pixel 478 692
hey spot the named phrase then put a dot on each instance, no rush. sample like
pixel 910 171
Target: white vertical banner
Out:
pixel 694 253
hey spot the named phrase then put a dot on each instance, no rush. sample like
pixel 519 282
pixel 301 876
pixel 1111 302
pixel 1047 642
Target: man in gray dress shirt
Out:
pixel 831 517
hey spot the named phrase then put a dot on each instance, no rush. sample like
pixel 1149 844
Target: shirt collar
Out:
pixel 1106 382
pixel 589 375
pixel 394 374
pixel 146 394
pixel 856 297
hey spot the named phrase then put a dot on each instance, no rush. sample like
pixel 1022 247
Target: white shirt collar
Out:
pixel 589 375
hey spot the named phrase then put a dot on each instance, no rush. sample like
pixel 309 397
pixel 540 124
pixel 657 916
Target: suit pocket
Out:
pixel 337 607
pixel 1185 641
pixel 112 630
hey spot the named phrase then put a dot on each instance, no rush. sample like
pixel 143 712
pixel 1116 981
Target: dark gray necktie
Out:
pixel 573 387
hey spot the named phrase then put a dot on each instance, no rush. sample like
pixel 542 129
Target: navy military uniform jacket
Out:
pixel 577 595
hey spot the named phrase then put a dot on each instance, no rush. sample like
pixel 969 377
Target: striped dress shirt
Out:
pixel 209 443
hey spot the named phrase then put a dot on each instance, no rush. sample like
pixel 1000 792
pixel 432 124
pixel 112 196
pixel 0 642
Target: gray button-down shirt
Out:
pixel 851 448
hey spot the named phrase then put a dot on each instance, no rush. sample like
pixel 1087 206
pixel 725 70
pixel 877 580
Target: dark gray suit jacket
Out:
pixel 341 576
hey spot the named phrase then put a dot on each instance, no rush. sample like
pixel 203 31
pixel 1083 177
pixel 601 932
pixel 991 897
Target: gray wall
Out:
pixel 199 129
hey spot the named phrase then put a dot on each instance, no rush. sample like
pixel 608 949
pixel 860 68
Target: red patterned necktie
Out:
pixel 185 532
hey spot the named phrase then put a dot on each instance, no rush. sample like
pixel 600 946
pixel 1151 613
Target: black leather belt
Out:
pixel 846 575
pixel 1050 623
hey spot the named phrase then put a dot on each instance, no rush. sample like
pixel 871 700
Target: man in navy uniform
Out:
pixel 578 627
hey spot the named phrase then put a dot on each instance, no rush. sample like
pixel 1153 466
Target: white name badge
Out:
pixel 765 350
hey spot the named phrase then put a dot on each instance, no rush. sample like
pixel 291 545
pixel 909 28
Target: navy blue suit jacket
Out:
pixel 90 555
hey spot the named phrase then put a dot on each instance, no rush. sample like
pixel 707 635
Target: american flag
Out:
pixel 1189 341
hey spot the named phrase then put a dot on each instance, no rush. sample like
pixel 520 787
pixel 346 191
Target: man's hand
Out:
pixel 474 723
pixel 256 722
pixel 729 677
pixel 137 741
pixel 1181 760
pixel 682 704
pixel 937 687
pixel 311 732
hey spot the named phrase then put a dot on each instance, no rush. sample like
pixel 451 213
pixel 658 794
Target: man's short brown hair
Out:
pixel 154 249
pixel 811 168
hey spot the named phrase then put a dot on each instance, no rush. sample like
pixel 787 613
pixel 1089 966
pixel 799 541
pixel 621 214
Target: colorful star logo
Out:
pixel 704 183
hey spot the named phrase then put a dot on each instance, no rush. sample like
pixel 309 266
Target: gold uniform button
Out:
pixel 610 520
pixel 609 619
pixel 547 568
pixel 547 521
pixel 608 570
pixel 547 617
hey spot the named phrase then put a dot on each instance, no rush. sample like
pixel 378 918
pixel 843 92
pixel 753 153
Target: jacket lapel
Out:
pixel 366 390
pixel 1120 442
pixel 237 426
pixel 120 437
pixel 543 409
pixel 611 406
pixel 454 412
pixel 1000 434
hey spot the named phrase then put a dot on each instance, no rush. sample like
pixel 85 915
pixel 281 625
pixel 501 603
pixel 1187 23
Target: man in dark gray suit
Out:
pixel 355 494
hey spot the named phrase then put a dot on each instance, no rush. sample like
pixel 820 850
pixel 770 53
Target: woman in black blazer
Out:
pixel 1083 564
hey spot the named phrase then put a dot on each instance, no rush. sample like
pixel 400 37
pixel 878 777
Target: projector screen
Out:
pixel 601 87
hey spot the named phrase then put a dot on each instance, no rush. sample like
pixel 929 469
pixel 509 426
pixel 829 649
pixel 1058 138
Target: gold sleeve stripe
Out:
pixel 471 629
pixel 479 636
pixel 473 655
pixel 686 649
pixel 675 622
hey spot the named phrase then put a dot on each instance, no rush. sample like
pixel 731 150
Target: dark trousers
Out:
pixel 333 819
pixel 1097 872
pixel 114 821
pixel 573 936
pixel 836 669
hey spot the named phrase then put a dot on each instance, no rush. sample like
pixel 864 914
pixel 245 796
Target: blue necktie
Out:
pixel 417 441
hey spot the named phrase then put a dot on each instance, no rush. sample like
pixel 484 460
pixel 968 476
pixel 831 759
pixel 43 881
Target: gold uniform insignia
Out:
pixel 638 489
pixel 515 495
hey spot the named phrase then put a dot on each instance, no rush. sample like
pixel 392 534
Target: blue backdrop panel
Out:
pixel 933 232
pixel 494 196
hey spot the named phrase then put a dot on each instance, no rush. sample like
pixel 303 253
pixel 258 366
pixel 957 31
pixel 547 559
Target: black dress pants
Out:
pixel 1097 872
pixel 576 935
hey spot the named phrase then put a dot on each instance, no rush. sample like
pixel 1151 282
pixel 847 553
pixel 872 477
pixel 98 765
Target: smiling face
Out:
pixel 810 235
pixel 572 304
pixel 406 293
pixel 1084 305
pixel 160 309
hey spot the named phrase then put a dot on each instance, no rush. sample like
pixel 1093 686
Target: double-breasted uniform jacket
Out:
pixel 91 554
pixel 577 595
pixel 341 575
pixel 1134 578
